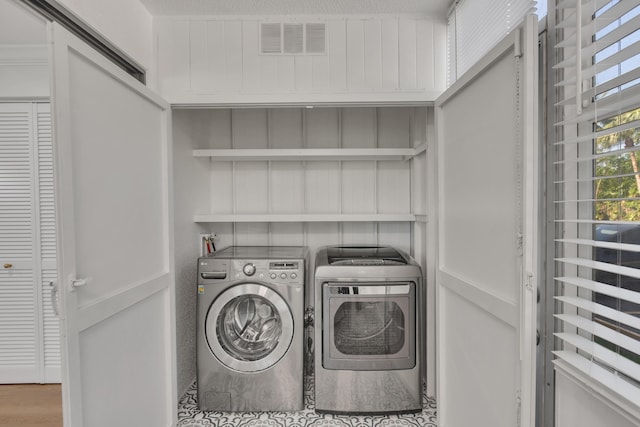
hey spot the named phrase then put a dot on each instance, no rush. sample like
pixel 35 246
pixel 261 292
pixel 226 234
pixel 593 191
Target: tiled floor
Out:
pixel 190 416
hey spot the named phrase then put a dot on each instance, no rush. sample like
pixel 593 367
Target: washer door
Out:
pixel 249 327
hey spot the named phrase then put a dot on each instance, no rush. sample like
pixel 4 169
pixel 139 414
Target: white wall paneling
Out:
pixel 374 59
pixel 307 176
pixel 265 162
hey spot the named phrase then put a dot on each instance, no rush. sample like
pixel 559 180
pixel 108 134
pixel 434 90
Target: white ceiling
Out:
pixel 296 7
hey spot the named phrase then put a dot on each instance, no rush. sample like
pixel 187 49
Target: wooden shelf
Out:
pixel 310 154
pixel 304 218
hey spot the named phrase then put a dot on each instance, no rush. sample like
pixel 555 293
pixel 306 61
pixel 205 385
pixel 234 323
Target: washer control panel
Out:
pixel 288 272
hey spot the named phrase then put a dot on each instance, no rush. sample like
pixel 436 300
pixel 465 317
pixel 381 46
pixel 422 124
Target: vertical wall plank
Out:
pixel 393 187
pixel 358 187
pixel 251 234
pixel 217 125
pixel 358 127
pixel 359 233
pixel 221 184
pixel 397 234
pixel 198 57
pixel 322 128
pixel 304 73
pixel 251 187
pixel 286 74
pixel 355 54
pixel 320 73
pixel 440 55
pixel 173 56
pixel 287 234
pixel 285 127
pixel 394 127
pixel 372 54
pixel 322 187
pixel 268 73
pixel 390 78
pixel 217 76
pixel 250 56
pixel 407 53
pixel 337 36
pixel 233 55
pixel 425 55
pixel 287 187
pixel 250 128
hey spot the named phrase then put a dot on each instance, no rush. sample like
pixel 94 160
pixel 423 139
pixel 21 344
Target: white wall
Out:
pixel 126 23
pixel 368 59
pixel 190 191
pixel 578 407
pixel 24 71
pixel 291 187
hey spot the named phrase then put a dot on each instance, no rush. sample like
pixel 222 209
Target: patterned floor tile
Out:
pixel 190 416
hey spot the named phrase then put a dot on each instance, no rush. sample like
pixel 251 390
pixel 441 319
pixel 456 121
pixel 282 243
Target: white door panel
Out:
pixel 487 139
pixel 114 215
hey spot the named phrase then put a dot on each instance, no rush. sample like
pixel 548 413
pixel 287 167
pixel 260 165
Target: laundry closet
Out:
pixel 342 134
pixel 293 161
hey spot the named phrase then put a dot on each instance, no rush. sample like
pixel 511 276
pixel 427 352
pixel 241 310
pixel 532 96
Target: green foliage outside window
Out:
pixel 617 184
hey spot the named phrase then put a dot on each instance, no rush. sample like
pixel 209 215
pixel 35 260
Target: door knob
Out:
pixel 8 265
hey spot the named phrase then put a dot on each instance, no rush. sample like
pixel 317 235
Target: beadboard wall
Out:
pixel 206 187
pixel 378 59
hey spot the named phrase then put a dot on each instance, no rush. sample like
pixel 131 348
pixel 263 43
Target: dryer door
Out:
pixel 249 327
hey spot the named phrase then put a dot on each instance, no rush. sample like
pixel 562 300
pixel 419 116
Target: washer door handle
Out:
pixel 214 275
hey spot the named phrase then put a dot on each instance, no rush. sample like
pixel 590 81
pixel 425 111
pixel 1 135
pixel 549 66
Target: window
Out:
pixel 474 27
pixel 597 196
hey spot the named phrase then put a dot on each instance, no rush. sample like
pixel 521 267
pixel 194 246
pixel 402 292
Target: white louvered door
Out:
pixel 29 344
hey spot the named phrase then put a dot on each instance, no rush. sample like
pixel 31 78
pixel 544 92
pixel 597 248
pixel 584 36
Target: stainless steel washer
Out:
pixel 250 329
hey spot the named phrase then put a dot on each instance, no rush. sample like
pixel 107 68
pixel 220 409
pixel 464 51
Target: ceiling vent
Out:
pixel 292 38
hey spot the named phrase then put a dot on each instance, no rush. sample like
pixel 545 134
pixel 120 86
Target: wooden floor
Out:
pixel 31 405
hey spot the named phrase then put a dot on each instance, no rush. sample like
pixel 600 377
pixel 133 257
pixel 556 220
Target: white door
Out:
pixel 20 331
pixel 113 187
pixel 29 347
pixel 486 282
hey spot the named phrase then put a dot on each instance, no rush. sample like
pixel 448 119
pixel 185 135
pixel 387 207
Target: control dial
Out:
pixel 249 269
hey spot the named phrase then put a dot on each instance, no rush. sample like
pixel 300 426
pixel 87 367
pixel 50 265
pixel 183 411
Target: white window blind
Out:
pixel 474 27
pixel 597 195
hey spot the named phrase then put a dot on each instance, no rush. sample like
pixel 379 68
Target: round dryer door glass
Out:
pixel 249 327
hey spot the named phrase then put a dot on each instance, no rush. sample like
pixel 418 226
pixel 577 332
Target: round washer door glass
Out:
pixel 249 327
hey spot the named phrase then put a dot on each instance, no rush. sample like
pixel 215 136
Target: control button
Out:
pixel 283 276
pixel 294 275
pixel 273 275
pixel 249 269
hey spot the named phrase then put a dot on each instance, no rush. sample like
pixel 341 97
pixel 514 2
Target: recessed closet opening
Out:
pixel 309 176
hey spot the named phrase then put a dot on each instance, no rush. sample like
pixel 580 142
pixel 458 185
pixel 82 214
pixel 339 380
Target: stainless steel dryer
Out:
pixel 367 334
pixel 250 329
